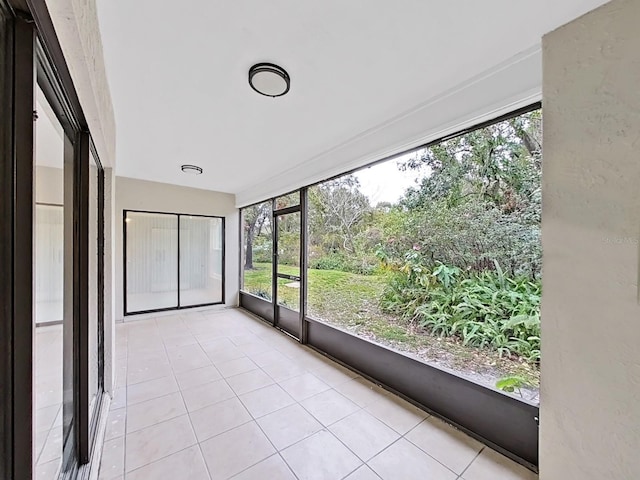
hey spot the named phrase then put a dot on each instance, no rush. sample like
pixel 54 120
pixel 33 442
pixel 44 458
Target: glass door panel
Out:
pixel 288 272
pixel 53 292
pixel 201 241
pixel 151 261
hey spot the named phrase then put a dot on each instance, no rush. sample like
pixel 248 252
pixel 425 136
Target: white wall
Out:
pixel 590 400
pixel 134 194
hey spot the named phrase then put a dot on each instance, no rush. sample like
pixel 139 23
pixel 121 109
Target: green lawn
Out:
pixel 350 301
pixel 331 293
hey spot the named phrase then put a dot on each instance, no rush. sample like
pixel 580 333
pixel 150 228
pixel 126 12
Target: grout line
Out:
pixel 340 419
pixel 125 473
pixel 305 370
pixel 288 466
pixel 429 455
pixel 471 462
pixel 160 459
pixel 206 465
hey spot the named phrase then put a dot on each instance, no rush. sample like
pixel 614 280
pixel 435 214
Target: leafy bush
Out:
pixel 331 261
pixel 512 384
pixel 471 236
pixel 344 263
pixel 483 309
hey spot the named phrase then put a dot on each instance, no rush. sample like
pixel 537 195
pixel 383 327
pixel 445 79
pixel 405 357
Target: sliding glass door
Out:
pixel 53 293
pixel 52 226
pixel 200 260
pixel 172 261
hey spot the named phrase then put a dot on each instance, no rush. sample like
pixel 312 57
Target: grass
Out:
pixel 350 301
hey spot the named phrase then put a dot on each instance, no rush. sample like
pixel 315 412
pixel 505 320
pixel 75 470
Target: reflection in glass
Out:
pixel 49 253
pixel 52 250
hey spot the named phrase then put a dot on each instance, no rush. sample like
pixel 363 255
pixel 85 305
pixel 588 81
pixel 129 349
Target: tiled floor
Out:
pixel 218 394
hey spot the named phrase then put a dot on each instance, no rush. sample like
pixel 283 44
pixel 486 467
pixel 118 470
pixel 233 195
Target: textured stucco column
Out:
pixel 78 30
pixel 590 401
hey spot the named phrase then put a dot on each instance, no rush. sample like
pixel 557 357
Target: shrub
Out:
pixel 471 236
pixel 483 309
pixel 341 261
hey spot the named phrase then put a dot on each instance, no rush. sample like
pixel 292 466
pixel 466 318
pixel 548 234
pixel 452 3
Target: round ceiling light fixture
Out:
pixel 269 79
pixel 191 169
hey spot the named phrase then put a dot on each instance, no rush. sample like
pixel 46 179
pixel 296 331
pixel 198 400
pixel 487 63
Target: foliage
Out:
pixel 331 293
pixel 340 221
pixel 512 384
pixel 500 164
pixel 361 264
pixel 483 309
pixel 459 255
pixel 256 229
pixel 351 301
pixel 470 236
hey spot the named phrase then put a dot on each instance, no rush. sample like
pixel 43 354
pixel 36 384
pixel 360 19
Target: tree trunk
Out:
pixel 248 255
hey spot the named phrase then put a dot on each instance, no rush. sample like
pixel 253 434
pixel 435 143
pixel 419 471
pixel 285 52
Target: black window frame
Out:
pixel 126 313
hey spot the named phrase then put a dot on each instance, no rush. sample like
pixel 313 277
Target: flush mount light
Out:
pixel 191 169
pixel 269 79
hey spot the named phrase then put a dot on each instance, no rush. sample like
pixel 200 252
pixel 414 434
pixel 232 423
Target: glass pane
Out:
pixel 288 236
pixel 53 317
pixel 290 200
pixel 93 286
pixel 289 293
pixel 257 251
pixel 288 241
pixel 437 254
pixel 201 241
pixel 151 261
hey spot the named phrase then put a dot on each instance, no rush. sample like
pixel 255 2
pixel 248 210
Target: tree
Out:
pixel 499 164
pixel 478 203
pixel 255 219
pixel 338 209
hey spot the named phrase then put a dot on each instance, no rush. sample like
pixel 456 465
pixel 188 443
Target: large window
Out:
pixel 172 261
pixel 437 254
pixel 257 250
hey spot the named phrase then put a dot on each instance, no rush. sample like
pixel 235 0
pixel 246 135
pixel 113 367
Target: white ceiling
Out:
pixel 368 78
